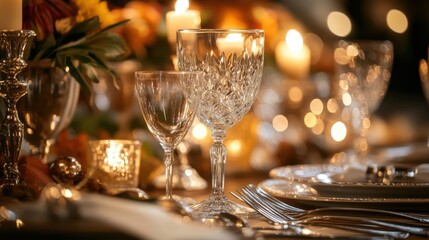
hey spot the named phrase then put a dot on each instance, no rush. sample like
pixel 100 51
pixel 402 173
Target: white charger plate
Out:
pixel 304 195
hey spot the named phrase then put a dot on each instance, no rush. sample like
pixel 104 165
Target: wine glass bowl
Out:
pixel 364 70
pixel 168 101
pixel 48 107
pixel 232 63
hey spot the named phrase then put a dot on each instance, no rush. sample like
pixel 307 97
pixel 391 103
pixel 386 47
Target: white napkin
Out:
pixel 145 220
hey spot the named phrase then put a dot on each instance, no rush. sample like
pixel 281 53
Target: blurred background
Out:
pixel 298 115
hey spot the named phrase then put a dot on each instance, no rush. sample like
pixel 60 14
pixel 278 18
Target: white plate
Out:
pixel 303 195
pixel 335 181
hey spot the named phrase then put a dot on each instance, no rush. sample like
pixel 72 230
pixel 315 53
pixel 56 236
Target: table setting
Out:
pixel 235 134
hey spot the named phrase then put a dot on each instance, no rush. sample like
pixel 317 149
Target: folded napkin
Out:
pixel 145 220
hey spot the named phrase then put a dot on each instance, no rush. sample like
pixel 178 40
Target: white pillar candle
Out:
pixel 233 43
pixel 10 15
pixel 181 18
pixel 292 56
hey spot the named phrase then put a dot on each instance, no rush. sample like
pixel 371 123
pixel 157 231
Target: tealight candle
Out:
pixel 10 15
pixel 181 18
pixel 233 43
pixel 292 56
pixel 117 162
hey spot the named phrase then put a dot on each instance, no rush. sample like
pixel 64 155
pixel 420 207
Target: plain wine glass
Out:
pixel 364 70
pixel 169 101
pixel 232 61
pixel 48 107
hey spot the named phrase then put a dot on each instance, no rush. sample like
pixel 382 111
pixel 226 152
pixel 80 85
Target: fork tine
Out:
pixel 278 216
pixel 270 215
pixel 273 200
pixel 266 205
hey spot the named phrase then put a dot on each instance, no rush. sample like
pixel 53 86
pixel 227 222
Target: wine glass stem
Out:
pixel 168 161
pixel 360 141
pixel 218 161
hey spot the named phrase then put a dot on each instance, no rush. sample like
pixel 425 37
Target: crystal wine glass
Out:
pixel 232 62
pixel 364 69
pixel 169 101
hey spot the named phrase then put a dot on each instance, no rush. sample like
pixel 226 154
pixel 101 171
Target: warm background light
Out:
pixel 339 24
pixel 280 123
pixel 338 131
pixel 316 106
pixel 199 131
pixel 310 120
pixel 347 99
pixel 397 21
pixel 295 94
pixel 332 105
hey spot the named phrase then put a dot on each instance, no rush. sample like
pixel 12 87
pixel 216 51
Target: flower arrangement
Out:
pixel 75 35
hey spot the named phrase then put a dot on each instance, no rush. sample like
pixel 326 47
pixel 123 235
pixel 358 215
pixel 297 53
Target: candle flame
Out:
pixel 113 159
pixel 294 40
pixel 181 6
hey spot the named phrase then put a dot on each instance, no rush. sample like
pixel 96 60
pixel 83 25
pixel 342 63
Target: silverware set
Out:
pixel 389 224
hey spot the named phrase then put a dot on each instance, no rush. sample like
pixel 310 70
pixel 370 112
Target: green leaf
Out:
pixel 117 48
pixel 85 27
pixel 47 48
pixel 110 27
pixel 82 58
pixel 76 74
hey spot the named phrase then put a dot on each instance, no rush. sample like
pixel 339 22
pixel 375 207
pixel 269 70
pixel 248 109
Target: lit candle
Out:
pixel 233 43
pixel 181 18
pixel 113 162
pixel 292 56
pixel 10 15
pixel 116 162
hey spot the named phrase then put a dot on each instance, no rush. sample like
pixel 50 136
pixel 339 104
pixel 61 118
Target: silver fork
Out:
pixel 298 226
pixel 291 210
pixel 417 228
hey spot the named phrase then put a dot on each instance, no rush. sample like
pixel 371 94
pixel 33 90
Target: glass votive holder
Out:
pixel 116 164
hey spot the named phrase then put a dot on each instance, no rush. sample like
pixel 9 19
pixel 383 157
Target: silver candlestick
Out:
pixel 13 45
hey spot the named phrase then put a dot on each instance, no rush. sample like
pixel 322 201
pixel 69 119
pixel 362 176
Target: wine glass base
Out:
pixel 184 177
pixel 216 204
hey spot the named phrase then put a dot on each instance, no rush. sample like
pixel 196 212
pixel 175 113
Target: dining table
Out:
pixel 120 223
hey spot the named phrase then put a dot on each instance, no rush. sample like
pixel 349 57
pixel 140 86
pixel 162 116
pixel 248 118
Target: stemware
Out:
pixel 364 70
pixel 232 62
pixel 48 107
pixel 168 101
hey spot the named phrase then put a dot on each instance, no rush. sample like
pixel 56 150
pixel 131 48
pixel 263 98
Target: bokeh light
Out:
pixel 397 21
pixel 280 123
pixel 339 24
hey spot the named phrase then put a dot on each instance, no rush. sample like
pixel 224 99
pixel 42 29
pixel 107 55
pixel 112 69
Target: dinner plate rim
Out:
pixel 318 201
pixel 311 181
